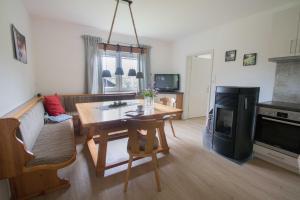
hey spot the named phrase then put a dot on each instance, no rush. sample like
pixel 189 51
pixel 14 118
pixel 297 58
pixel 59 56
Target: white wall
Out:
pixel 59 52
pixel 252 34
pixel 17 83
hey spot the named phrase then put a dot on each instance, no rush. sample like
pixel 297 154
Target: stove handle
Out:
pixel 280 121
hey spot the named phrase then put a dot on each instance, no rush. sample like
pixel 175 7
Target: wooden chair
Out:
pixel 167 101
pixel 143 142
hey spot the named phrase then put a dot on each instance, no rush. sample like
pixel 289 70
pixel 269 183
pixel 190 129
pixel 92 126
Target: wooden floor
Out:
pixel 188 172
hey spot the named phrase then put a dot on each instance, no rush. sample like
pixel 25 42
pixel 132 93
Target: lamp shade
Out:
pixel 119 71
pixel 131 72
pixel 140 75
pixel 106 74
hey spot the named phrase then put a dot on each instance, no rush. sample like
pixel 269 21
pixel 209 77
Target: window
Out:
pixel 129 82
pixel 109 62
pixel 124 83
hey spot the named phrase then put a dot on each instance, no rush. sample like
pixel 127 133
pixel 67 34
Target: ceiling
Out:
pixel 161 19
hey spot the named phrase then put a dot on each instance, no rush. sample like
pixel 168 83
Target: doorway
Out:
pixel 199 80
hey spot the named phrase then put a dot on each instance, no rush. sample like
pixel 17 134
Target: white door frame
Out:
pixel 188 72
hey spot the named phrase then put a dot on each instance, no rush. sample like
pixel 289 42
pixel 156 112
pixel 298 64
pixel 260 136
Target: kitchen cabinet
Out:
pixel 285 33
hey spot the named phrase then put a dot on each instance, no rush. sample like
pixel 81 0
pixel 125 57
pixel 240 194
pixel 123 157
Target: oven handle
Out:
pixel 281 121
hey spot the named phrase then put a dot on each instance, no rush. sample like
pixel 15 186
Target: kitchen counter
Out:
pixel 281 105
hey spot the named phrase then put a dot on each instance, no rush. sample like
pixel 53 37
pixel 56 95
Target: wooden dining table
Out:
pixel 106 122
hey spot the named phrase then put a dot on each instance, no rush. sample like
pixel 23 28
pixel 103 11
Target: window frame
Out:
pixel 119 83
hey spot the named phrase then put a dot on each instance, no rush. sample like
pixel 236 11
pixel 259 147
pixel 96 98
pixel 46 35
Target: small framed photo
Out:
pixel 249 59
pixel 230 55
pixel 19 43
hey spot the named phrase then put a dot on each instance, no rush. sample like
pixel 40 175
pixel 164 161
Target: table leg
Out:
pixel 101 162
pixel 91 133
pixel 163 139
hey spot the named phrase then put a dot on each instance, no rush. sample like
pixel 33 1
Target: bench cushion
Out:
pixel 31 125
pixel 54 145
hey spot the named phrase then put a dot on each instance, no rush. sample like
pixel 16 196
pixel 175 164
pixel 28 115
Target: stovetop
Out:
pixel 281 105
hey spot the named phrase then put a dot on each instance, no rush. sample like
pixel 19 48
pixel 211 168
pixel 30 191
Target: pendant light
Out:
pixel 140 75
pixel 114 46
pixel 131 71
pixel 105 73
pixel 119 70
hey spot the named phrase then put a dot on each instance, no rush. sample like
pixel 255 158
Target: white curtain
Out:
pixel 145 67
pixel 93 64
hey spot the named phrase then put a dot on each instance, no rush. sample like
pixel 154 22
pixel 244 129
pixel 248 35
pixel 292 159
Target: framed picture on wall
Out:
pixel 230 55
pixel 19 44
pixel 249 59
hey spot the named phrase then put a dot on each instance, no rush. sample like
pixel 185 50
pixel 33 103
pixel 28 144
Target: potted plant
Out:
pixel 149 95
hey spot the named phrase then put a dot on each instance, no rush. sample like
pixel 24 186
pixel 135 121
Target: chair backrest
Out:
pixel 164 100
pixel 168 101
pixel 136 128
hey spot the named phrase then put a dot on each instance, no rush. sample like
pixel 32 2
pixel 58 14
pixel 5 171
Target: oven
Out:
pixel 278 130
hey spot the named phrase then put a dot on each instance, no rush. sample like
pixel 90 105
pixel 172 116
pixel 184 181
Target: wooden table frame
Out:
pixel 102 132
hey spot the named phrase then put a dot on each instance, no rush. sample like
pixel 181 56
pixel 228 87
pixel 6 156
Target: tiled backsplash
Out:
pixel 287 82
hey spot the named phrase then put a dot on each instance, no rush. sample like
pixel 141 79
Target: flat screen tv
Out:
pixel 166 82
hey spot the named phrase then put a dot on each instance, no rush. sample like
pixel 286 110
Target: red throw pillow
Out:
pixel 53 105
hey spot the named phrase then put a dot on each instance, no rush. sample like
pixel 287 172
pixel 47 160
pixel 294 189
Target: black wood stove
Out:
pixel 234 119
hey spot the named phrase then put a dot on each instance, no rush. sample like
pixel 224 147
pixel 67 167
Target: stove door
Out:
pixel 224 121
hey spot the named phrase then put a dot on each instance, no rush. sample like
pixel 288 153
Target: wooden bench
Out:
pixel 31 152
